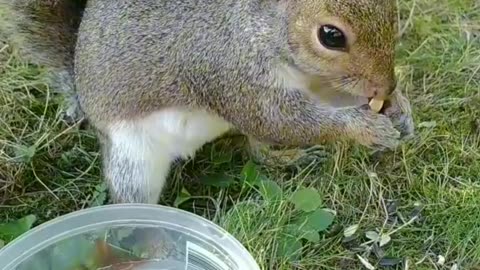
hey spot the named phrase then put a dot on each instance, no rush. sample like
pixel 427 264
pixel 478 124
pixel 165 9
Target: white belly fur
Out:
pixel 173 132
pixel 179 132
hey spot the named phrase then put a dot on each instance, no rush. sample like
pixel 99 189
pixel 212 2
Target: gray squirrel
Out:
pixel 159 79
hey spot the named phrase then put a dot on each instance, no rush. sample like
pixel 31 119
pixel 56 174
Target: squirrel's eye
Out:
pixel 332 38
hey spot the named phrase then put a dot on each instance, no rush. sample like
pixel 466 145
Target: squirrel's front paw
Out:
pixel 400 113
pixel 373 130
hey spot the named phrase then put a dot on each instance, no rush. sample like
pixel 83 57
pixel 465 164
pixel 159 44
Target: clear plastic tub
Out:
pixel 161 237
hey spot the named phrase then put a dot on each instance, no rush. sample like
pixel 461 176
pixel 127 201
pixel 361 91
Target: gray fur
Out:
pixel 219 55
pixel 133 58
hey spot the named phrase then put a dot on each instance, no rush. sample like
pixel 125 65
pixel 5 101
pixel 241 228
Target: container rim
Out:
pixel 81 221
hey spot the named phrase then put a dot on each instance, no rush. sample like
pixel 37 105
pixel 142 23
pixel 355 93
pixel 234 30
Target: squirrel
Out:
pixel 159 79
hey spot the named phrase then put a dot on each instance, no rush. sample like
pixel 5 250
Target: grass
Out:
pixel 49 168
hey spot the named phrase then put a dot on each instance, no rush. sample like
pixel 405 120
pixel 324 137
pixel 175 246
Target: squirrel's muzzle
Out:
pixel 384 90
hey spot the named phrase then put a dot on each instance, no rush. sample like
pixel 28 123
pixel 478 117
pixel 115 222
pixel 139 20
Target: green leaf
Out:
pixel 302 233
pixel 99 199
pixel 384 239
pixel 306 199
pixel 372 235
pixel 318 220
pixel 250 173
pixel 270 190
pixel 351 230
pixel 99 195
pixel 311 236
pixel 182 197
pixel 220 180
pixel 12 230
pixel 25 153
pixel 289 247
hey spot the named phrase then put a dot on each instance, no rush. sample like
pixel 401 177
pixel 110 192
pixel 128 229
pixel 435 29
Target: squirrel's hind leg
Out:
pixel 138 154
pixel 134 168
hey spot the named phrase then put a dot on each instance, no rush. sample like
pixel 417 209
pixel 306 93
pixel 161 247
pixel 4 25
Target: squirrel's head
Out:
pixel 348 44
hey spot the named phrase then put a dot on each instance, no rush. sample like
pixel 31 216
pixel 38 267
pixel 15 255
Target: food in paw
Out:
pixel 376 105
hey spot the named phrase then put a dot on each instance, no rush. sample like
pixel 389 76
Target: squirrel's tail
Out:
pixel 43 32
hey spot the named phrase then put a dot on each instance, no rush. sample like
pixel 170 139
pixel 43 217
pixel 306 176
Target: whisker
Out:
pixel 347 85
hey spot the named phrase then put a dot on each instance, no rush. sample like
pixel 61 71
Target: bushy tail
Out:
pixel 43 32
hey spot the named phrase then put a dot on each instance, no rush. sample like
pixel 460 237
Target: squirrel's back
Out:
pixel 150 48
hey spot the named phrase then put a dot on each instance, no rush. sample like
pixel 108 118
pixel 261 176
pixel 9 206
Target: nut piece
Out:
pixel 376 105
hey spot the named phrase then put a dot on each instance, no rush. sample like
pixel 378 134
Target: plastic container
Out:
pixel 163 237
